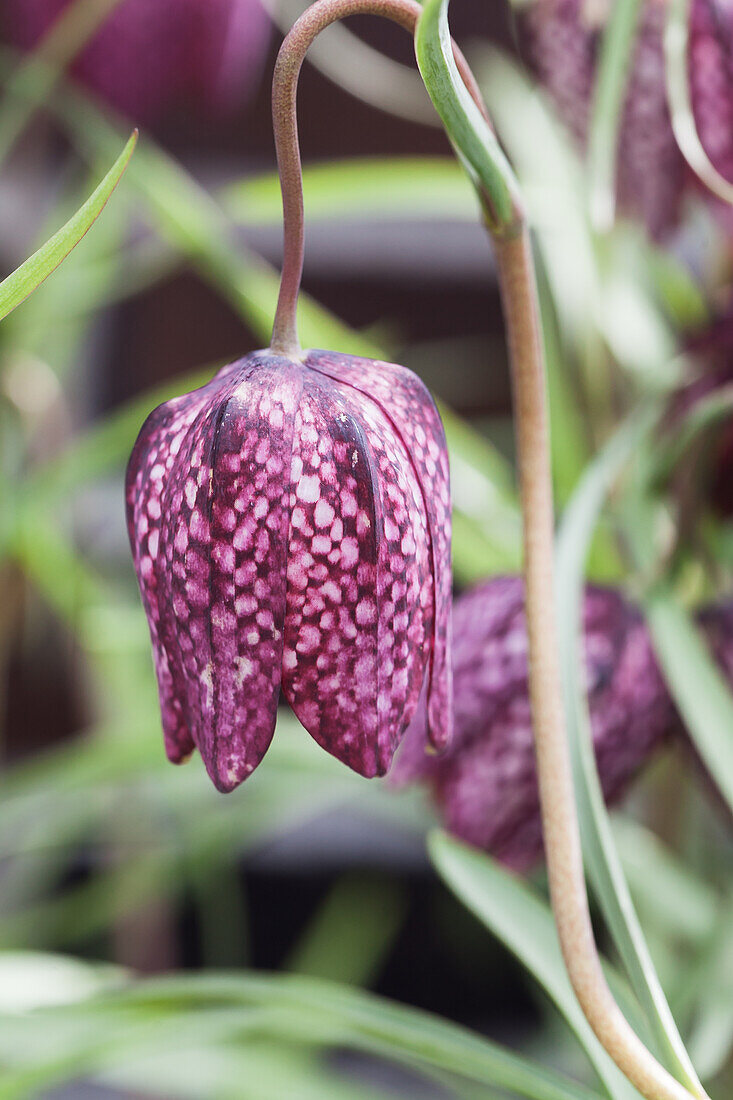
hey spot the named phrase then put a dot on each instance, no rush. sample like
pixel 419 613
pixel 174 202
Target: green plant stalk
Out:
pixel 18 285
pixel 561 831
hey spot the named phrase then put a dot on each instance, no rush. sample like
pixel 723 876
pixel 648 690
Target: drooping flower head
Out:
pixel 561 43
pixel 290 526
pixel 485 784
pixel 151 56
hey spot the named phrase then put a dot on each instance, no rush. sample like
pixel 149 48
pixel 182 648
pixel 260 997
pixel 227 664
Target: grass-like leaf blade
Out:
pixel 697 685
pixel 524 924
pixel 23 281
pixel 601 858
pixel 287 1008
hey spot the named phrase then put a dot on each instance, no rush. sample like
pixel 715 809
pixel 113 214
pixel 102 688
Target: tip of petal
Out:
pixel 177 758
pixel 371 769
pixel 226 777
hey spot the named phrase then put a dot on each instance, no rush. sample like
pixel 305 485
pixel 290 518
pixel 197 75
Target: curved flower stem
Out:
pixel 284 120
pixel 559 815
pixel 362 70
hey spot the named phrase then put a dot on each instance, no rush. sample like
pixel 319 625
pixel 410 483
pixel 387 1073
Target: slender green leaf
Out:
pixel 168 1015
pixel 708 992
pixel 568 432
pixel 352 932
pixel 525 925
pixel 608 100
pixel 54 322
pixel 697 686
pixel 469 131
pixel 355 1018
pixel 680 902
pixel 364 188
pixel 17 286
pixel 601 858
pixel 256 1069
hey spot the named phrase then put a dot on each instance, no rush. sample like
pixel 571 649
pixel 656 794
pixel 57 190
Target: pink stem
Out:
pixel 284 120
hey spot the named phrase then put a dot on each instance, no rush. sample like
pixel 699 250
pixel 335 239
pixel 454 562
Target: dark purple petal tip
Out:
pixel 290 527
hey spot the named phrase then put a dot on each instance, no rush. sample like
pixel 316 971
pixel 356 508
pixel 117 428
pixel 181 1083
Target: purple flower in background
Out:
pixel 290 523
pixel 151 56
pixel 711 79
pixel 561 41
pixel 485 784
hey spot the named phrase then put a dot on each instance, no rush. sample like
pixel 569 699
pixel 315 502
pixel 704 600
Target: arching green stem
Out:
pixel 561 832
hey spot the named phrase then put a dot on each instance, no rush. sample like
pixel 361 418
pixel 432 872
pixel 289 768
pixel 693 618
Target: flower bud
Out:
pixel 152 56
pixel 290 525
pixel 485 784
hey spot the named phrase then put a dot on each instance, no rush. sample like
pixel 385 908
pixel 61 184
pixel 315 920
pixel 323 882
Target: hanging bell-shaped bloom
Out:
pixel 561 42
pixel 290 526
pixel 152 56
pixel 485 784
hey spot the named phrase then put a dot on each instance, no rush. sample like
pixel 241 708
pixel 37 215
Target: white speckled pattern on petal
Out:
pixel 410 410
pixel 291 522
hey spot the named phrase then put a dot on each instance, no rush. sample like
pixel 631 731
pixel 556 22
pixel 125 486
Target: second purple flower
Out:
pixel 485 785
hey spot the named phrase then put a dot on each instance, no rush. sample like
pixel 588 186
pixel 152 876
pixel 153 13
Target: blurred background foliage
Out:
pixel 115 865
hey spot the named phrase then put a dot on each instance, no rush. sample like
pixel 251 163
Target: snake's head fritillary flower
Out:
pixel 290 526
pixel 561 41
pixel 485 784
pixel 152 56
